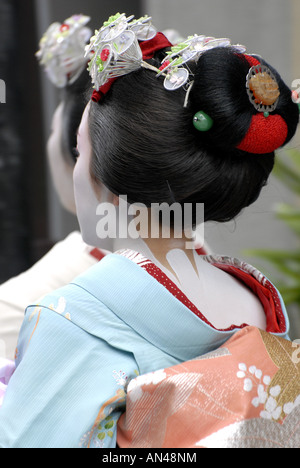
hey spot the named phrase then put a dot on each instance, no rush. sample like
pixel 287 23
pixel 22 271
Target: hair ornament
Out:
pixel 176 75
pixel 62 50
pixel 267 132
pixel 296 98
pixel 264 135
pixel 143 28
pixel 117 50
pixel 202 122
pixel 122 45
pixel 262 88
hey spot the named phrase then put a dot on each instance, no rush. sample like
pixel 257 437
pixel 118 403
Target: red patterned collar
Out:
pixel 247 274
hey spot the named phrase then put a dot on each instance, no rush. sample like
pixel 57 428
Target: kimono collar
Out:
pixel 145 304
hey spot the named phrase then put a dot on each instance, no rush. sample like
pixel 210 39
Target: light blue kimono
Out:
pixel 81 345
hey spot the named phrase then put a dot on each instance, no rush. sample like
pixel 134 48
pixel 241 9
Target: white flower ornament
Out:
pixel 62 50
pixel 189 50
pixel 116 51
pixel 115 47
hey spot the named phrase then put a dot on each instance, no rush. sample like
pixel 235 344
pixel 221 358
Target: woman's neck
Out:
pixel 141 229
pixel 158 246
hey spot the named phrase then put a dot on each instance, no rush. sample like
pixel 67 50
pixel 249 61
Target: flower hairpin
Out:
pixel 118 49
pixel 115 47
pixel 176 75
pixel 62 49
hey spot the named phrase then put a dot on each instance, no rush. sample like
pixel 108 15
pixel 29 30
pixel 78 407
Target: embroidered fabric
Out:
pixel 229 398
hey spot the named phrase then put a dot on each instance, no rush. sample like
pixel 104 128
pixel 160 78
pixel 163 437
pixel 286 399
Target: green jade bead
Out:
pixel 202 122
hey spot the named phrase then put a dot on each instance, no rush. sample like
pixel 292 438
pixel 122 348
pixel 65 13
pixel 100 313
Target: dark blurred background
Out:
pixel 28 204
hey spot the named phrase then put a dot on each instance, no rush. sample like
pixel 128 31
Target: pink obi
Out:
pixel 246 394
pixel 7 369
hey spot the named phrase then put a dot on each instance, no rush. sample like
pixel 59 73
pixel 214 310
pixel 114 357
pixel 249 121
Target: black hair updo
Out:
pixel 146 147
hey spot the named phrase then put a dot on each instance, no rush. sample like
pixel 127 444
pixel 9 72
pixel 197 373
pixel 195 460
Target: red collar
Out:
pixel 247 274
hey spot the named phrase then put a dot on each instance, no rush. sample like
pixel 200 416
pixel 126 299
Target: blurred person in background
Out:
pixel 62 55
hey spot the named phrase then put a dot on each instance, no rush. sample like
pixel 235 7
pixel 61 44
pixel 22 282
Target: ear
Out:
pixel 116 200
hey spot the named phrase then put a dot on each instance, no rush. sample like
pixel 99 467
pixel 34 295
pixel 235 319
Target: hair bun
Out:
pixel 145 144
pixel 251 120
